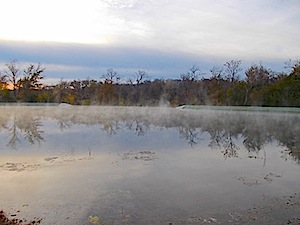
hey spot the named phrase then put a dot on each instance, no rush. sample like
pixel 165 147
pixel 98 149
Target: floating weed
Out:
pixel 143 155
pixel 200 220
pixel 94 219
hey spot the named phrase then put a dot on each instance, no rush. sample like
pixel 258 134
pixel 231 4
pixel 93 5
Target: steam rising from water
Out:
pixel 224 127
pixel 156 165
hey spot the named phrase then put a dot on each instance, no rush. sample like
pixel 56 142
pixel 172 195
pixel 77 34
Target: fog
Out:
pixel 224 127
pixel 149 165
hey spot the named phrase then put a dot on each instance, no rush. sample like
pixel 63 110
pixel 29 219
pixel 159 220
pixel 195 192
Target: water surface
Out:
pixel 136 165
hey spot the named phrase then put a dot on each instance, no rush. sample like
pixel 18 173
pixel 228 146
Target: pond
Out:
pixel 148 165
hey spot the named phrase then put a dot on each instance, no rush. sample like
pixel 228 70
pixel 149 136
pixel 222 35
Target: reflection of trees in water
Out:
pixel 255 130
pixel 111 127
pixel 225 141
pixel 189 134
pixel 64 125
pixel 13 136
pixel 290 139
pixel 224 132
pixel 139 127
pixel 27 127
pixel 228 131
pixel 229 147
pixel 255 137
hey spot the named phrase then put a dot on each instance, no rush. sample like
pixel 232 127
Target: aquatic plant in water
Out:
pixel 94 219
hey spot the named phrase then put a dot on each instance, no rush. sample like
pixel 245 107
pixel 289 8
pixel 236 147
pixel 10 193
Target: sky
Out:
pixel 80 39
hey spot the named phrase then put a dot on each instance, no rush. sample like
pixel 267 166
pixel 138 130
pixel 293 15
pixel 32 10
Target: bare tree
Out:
pixel 216 72
pixel 192 74
pixel 138 77
pixel 232 70
pixel 292 64
pixel 12 74
pixel 111 76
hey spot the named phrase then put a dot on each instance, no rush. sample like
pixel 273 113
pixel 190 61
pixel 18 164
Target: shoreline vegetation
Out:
pixel 6 220
pixel 227 85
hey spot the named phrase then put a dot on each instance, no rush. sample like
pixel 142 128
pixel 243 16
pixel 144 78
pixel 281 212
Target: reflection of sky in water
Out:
pixel 81 138
pixel 186 167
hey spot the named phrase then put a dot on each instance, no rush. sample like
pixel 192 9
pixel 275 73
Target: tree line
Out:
pixel 227 85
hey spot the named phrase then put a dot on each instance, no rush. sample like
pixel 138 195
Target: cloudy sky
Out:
pixel 77 39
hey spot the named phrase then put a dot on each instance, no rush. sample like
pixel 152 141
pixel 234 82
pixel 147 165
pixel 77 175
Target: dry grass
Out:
pixel 4 220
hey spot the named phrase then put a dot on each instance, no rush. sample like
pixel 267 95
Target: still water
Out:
pixel 138 165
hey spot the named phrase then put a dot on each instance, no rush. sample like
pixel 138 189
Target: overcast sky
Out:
pixel 76 39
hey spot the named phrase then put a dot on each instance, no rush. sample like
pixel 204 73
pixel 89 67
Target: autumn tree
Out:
pixel 4 92
pixel 215 86
pixel 151 93
pixel 224 87
pixel 61 91
pixel 2 80
pixel 189 85
pixel 257 77
pixel 30 82
pixel 171 88
pixel 232 70
pixel 107 93
pixel 32 76
pixel 83 91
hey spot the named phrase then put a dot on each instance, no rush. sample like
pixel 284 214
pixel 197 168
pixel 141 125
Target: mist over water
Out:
pixel 149 165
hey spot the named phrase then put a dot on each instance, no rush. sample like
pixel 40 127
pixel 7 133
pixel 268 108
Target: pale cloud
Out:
pixel 120 3
pixel 225 28
pixel 123 33
pixel 246 29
